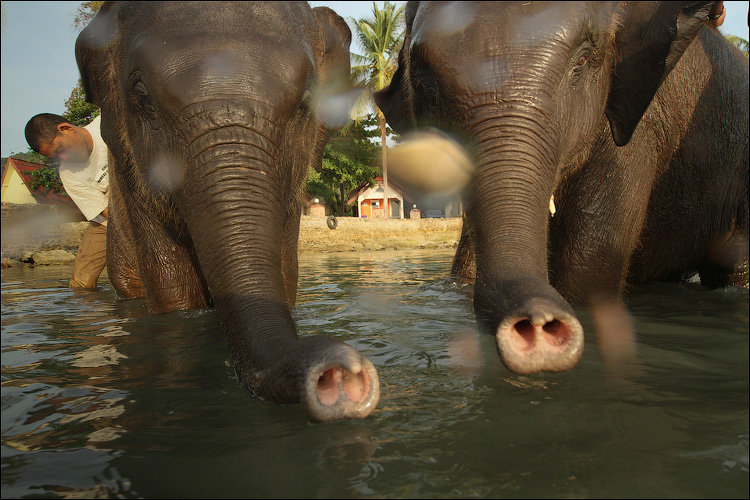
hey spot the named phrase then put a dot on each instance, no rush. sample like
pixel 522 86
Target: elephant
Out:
pixel 629 118
pixel 213 113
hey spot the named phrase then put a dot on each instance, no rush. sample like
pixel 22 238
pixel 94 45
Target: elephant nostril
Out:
pixel 555 333
pixel 525 334
pixel 328 391
pixel 552 327
pixel 356 386
pixel 558 334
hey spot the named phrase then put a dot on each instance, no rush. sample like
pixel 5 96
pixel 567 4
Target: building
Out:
pixel 16 187
pixel 369 200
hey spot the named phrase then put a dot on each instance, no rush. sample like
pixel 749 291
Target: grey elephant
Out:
pixel 631 116
pixel 213 112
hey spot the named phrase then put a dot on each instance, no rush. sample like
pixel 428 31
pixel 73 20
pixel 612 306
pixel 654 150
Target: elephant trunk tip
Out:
pixel 339 391
pixel 540 341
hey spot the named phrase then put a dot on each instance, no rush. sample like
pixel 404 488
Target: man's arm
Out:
pixel 91 202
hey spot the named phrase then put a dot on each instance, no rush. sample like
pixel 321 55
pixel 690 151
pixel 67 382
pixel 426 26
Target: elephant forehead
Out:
pixel 280 19
pixel 481 46
pixel 498 26
pixel 187 66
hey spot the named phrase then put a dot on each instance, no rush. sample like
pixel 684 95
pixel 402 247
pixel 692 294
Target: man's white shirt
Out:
pixel 87 183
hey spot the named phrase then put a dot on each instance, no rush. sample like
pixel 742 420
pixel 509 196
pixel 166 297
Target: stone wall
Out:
pixel 27 229
pixel 362 234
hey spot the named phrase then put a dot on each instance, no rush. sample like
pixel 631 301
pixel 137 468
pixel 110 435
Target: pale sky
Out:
pixel 39 69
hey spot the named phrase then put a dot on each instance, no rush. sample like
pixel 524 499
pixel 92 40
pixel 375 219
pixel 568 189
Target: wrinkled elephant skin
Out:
pixel 212 112
pixel 631 116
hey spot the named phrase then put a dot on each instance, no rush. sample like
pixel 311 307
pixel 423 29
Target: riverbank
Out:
pixel 355 234
pixel 30 232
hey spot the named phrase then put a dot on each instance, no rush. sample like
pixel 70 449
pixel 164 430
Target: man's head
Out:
pixel 56 138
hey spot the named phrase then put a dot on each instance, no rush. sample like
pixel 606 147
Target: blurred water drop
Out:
pixel 464 353
pixel 219 67
pixel 31 230
pixel 166 174
pixel 616 336
pixel 431 162
pixel 333 102
pixel 103 30
pixel 533 29
pixel 488 75
pixel 453 17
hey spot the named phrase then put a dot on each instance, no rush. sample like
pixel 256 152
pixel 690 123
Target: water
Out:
pixel 101 399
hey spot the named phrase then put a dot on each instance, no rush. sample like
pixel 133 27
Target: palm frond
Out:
pixel 739 42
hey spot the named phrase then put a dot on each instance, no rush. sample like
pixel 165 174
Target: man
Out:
pixel 82 156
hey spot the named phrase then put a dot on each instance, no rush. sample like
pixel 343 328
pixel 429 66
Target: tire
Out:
pixel 332 222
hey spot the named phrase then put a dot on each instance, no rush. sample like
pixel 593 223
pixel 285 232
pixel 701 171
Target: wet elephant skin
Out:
pixel 633 115
pixel 212 114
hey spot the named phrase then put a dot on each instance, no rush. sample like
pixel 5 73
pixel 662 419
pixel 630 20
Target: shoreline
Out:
pixel 31 230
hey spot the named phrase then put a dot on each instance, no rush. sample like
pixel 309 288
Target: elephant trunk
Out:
pixel 237 202
pixel 535 328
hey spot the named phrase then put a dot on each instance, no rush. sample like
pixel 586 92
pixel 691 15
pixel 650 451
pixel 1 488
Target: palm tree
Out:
pixel 380 37
pixel 739 42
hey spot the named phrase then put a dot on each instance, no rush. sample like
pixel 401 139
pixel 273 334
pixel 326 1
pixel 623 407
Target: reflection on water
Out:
pixel 101 399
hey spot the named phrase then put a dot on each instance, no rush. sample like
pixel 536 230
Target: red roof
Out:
pixel 354 194
pixel 41 195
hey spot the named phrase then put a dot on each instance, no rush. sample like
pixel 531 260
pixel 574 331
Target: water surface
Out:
pixel 101 399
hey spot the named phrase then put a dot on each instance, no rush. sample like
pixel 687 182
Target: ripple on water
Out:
pixel 100 398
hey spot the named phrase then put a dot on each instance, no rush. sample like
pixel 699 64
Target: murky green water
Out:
pixel 101 399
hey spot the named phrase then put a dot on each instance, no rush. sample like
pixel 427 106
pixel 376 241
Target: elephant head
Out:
pixel 213 113
pixel 536 90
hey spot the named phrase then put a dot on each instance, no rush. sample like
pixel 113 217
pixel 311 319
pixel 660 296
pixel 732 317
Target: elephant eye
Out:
pixel 144 99
pixel 141 96
pixel 582 60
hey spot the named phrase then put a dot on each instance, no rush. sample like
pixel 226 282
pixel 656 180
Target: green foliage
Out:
pixel 741 44
pixel 85 13
pixel 77 110
pixel 31 156
pixel 47 178
pixel 380 36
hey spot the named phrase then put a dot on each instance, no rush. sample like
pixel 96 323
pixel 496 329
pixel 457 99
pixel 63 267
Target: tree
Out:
pixel 46 177
pixel 380 36
pixel 349 160
pixel 85 13
pixel 741 44
pixel 31 156
pixel 77 110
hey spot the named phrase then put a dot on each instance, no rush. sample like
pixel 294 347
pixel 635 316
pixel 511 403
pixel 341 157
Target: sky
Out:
pixel 39 69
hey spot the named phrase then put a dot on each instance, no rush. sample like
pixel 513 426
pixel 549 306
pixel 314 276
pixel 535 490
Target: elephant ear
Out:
pixel 652 38
pixel 333 64
pixel 396 101
pixel 93 48
pixel 334 90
